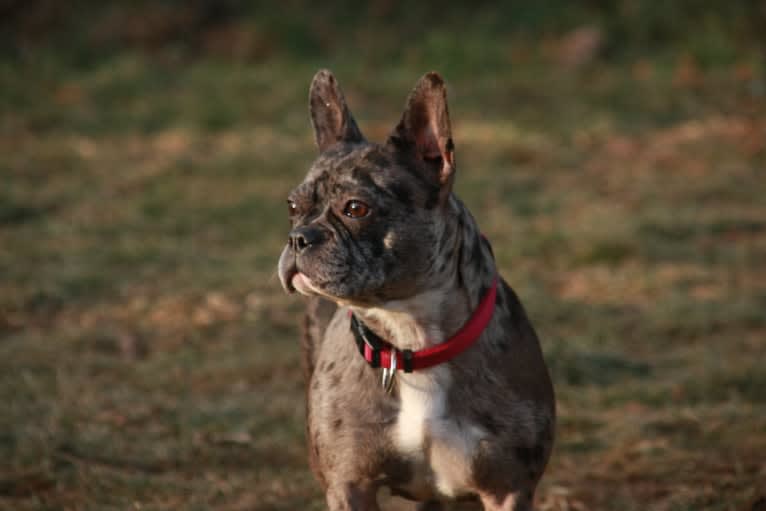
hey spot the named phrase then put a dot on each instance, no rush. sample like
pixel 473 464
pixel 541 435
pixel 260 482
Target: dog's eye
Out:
pixel 292 208
pixel 356 209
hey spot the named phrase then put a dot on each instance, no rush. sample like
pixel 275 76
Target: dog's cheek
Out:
pixel 340 271
pixel 409 252
pixel 355 272
pixel 394 271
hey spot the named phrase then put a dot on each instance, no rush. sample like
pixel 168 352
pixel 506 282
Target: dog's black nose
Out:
pixel 303 237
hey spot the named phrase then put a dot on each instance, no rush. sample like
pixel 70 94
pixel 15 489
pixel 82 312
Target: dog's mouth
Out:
pixel 297 277
pixel 301 283
pixel 295 280
pixel 293 276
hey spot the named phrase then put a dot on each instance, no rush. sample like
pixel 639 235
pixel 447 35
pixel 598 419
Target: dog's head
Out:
pixel 368 221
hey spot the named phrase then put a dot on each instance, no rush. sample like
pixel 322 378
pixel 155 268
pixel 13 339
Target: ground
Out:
pixel 149 358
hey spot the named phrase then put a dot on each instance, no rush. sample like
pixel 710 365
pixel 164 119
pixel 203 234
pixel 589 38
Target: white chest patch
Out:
pixel 424 417
pixel 423 401
pixel 426 431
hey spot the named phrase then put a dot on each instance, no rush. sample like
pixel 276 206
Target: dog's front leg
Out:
pixel 352 497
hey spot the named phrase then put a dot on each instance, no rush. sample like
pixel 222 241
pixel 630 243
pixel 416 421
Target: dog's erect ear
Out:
pixel 424 131
pixel 330 115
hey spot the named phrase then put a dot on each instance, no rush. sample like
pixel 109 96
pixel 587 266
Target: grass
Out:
pixel 149 358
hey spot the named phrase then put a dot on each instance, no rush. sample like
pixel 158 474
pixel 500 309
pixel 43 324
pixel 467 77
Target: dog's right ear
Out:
pixel 330 115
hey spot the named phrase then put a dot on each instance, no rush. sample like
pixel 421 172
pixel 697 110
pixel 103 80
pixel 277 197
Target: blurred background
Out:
pixel 614 152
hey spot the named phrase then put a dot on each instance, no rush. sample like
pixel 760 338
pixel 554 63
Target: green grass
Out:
pixel 149 358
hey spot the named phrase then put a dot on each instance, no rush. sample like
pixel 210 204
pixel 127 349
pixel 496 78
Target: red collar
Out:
pixel 379 353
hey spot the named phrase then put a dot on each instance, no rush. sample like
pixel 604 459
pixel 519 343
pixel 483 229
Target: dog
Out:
pixel 424 374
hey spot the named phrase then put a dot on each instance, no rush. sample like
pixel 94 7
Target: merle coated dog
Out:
pixel 423 372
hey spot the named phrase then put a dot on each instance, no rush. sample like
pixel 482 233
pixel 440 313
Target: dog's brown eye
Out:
pixel 356 209
pixel 292 208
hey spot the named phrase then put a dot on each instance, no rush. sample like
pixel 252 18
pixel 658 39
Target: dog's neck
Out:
pixel 444 305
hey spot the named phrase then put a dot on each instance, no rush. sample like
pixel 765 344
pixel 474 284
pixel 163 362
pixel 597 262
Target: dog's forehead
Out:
pixel 355 167
pixel 352 161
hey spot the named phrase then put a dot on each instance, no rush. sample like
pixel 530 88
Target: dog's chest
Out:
pixel 429 435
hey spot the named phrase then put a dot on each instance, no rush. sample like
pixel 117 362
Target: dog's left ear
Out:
pixel 424 131
pixel 330 116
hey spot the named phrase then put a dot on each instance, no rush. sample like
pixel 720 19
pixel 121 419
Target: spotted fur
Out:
pixel 479 427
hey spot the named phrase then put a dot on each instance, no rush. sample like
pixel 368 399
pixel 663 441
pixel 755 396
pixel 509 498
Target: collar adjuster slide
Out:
pixel 407 356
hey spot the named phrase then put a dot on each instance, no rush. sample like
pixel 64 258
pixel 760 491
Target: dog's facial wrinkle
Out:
pixel 360 261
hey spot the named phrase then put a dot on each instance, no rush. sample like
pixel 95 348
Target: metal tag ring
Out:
pixel 387 379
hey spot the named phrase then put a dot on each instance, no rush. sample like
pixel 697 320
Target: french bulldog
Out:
pixel 424 374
